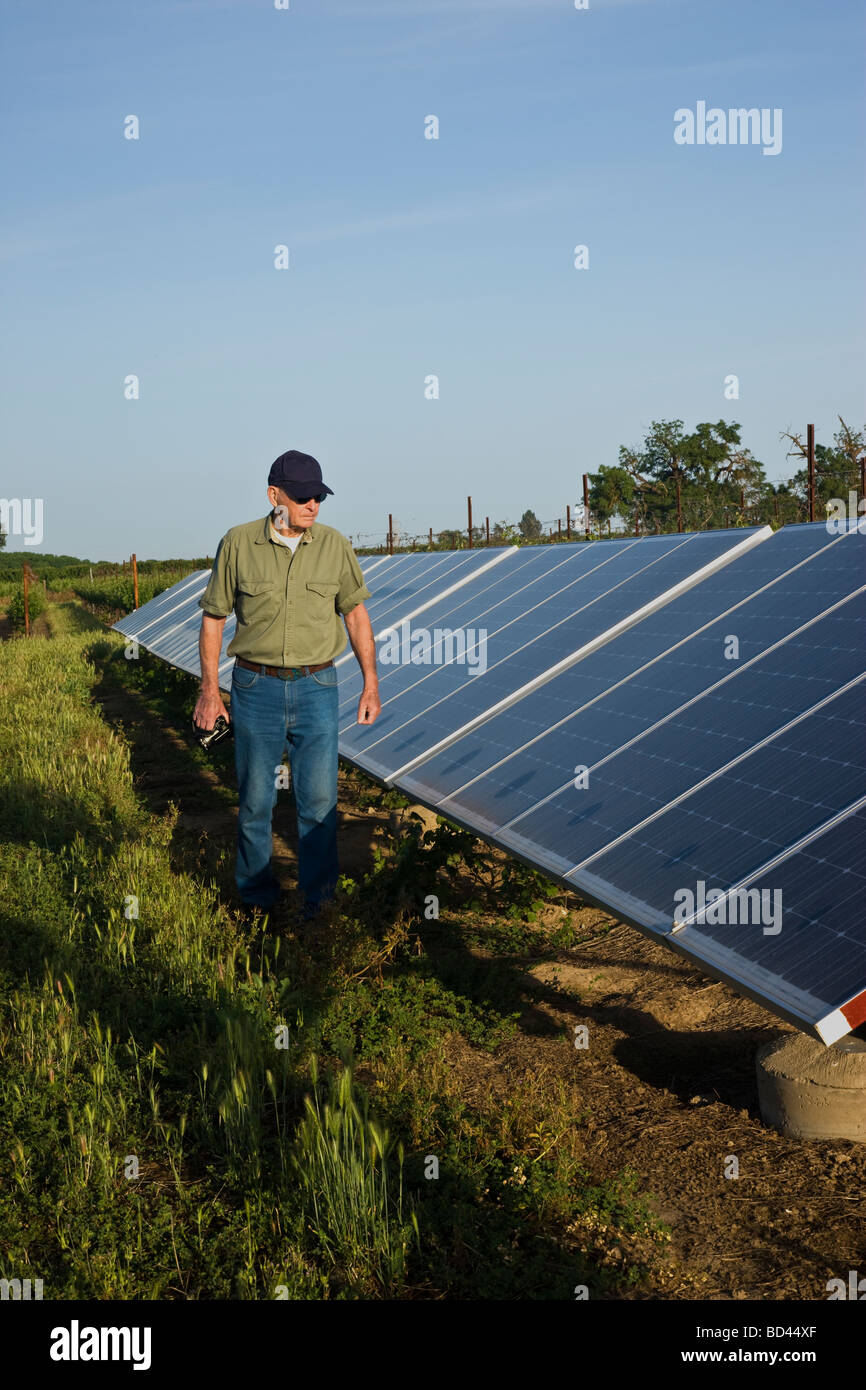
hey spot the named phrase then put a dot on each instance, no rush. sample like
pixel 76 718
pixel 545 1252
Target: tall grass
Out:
pixel 134 1025
pixel 139 1020
pixel 341 1160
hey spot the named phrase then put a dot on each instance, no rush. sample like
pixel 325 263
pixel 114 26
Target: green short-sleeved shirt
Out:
pixel 288 605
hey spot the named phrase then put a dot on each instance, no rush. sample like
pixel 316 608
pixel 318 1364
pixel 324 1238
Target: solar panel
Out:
pixel 159 614
pixel 513 762
pixel 407 573
pixel 515 571
pixel 814 969
pixel 574 604
pixel 369 563
pixel 529 578
pixel 675 753
pixel 429 579
pixel 737 817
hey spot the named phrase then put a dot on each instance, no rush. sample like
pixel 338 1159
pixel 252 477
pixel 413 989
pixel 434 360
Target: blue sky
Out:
pixel 408 256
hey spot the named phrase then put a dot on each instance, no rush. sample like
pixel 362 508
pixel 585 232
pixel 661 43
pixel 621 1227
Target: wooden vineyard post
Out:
pixel 134 564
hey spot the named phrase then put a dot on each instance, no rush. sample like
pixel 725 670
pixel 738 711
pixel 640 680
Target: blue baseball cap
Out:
pixel 298 474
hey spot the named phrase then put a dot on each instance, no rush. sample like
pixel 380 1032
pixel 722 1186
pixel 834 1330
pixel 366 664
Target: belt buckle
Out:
pixel 288 673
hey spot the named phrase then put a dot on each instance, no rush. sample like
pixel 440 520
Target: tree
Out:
pixel 659 471
pixel 451 540
pixel 689 481
pixel 780 506
pixel 644 490
pixel 665 461
pixel 611 493
pixel 529 526
pixel 724 481
pixel 837 470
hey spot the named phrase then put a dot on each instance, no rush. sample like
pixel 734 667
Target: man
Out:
pixel 289 580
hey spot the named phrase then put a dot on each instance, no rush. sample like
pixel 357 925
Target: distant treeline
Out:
pixel 55 567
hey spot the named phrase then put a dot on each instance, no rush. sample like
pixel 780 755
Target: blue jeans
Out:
pixel 267 713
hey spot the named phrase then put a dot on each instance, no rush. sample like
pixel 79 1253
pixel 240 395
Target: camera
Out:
pixel 208 737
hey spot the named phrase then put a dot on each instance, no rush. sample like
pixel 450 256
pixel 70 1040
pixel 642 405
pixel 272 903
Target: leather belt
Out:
pixel 284 673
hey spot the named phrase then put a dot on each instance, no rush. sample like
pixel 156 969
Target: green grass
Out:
pixel 158 1138
pixel 341 1166
pixel 113 595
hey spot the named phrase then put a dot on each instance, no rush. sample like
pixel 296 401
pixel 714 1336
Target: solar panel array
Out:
pixel 671 726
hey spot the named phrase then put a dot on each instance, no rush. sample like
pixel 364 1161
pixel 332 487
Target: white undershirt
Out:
pixel 291 541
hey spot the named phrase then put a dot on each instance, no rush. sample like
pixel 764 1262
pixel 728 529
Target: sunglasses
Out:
pixel 316 497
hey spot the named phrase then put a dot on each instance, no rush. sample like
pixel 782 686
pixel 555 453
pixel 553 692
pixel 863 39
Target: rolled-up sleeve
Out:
pixel 352 590
pixel 218 599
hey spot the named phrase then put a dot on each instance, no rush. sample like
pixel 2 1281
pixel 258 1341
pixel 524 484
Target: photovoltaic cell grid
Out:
pixel 742 769
pixel 505 582
pixel 822 890
pixel 169 625
pixel 651 738
pixel 425 576
pixel 157 616
pixel 571 603
pixel 620 689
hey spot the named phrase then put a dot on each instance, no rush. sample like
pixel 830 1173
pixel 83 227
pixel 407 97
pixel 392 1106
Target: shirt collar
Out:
pixel 265 534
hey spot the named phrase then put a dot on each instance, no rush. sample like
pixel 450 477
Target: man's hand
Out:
pixel 210 705
pixel 360 632
pixel 369 705
pixel 208 710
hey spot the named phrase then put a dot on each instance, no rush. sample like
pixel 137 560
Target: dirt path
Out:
pixel 668 1087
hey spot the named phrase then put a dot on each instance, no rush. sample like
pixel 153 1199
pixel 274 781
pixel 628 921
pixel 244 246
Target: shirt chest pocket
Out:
pixel 255 601
pixel 321 600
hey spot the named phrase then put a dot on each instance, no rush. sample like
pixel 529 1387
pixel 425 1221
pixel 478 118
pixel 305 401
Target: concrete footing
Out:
pixel 809 1091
